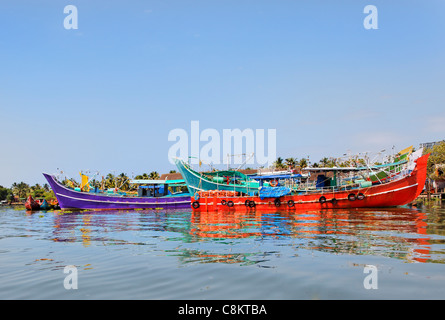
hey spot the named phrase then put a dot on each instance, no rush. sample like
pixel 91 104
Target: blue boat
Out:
pixel 44 205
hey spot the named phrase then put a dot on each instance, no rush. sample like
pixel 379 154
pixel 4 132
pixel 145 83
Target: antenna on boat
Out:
pixel 188 159
pixel 235 155
pixel 377 156
pixel 245 161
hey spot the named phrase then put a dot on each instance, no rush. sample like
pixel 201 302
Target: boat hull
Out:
pixel 71 199
pixel 44 205
pixel 395 193
pixel 31 204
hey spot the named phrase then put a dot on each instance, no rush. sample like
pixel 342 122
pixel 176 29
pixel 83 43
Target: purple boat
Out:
pixel 152 196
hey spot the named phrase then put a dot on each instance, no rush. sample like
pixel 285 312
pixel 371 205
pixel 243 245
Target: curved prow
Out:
pixel 420 171
pixel 51 181
pixel 56 187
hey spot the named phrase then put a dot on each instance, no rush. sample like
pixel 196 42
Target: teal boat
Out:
pixel 226 180
pixel 44 205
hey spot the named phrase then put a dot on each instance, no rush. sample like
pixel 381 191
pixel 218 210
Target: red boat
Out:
pixel 31 204
pixel 400 191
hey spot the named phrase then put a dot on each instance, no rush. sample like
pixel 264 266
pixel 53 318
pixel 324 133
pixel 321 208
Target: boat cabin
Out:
pixel 158 188
pixel 288 179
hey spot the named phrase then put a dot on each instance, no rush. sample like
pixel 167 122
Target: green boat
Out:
pixel 386 171
pixel 226 180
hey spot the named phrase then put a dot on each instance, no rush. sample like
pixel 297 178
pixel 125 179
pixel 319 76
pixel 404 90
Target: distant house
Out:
pixel 439 169
pixel 249 172
pixel 171 176
pixel 439 179
pixel 430 145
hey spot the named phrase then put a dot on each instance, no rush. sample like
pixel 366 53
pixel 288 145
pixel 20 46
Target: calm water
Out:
pixel 182 255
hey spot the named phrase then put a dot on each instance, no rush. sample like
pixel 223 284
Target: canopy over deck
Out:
pixel 276 176
pixel 178 182
pixel 347 169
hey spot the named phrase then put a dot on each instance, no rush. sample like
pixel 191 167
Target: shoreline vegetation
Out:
pixel 20 190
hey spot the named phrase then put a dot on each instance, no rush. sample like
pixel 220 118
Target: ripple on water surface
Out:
pixel 184 255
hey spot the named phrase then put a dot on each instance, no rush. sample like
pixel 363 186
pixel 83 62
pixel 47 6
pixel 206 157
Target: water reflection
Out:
pixel 401 233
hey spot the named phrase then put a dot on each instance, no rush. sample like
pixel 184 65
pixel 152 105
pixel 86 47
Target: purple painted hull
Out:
pixel 71 199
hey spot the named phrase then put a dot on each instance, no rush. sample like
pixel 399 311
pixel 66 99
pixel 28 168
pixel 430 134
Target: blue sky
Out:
pixel 105 96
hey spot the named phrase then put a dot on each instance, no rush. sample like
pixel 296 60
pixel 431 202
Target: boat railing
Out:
pixel 345 185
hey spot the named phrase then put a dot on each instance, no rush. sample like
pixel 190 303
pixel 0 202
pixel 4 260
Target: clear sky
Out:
pixel 105 96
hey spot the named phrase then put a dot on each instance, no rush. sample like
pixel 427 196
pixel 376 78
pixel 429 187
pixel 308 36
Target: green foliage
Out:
pixel 436 159
pixel 323 163
pixel 303 163
pixel 21 189
pixel 143 176
pixel 5 193
pixel 291 162
pixel 154 175
pixel 279 164
pixel 327 162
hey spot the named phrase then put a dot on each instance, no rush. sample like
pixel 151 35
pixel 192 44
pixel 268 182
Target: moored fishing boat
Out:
pixel 154 194
pixel 44 205
pixel 224 180
pixel 32 204
pixel 401 190
pixel 232 180
pixel 54 204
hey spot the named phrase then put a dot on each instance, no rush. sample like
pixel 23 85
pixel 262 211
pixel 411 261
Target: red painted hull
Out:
pixel 390 194
pixel 31 204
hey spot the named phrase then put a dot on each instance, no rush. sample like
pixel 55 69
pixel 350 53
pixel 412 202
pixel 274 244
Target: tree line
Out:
pixel 110 181
pixel 294 163
pixel 21 190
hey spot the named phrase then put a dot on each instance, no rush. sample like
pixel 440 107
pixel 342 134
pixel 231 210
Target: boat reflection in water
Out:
pixel 202 237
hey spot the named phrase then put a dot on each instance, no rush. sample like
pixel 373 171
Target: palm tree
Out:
pixel 279 163
pixel 21 189
pixel 46 187
pixel 110 181
pixel 143 176
pixel 14 187
pixel 123 181
pixel 154 175
pixel 327 162
pixel 303 163
pixel 291 162
pixel 37 191
pixel 94 183
pixel 324 162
